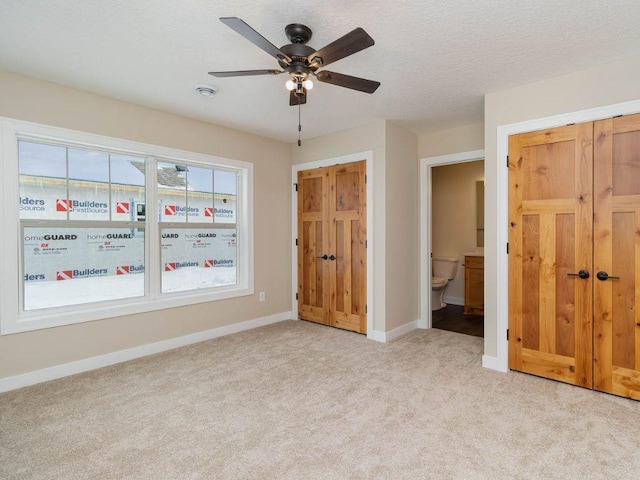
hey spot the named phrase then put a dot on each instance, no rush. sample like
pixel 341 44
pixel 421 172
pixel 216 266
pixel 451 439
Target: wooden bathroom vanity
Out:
pixel 474 284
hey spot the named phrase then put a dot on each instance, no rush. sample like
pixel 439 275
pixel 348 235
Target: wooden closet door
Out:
pixel 313 244
pixel 332 259
pixel 617 253
pixel 348 272
pixel 550 241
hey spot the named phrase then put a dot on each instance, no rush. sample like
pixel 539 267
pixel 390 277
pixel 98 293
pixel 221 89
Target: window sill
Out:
pixel 29 321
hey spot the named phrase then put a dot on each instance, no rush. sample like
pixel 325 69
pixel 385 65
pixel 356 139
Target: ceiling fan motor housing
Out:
pixel 299 65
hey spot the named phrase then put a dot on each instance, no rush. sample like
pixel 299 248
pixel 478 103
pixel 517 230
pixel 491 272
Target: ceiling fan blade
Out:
pixel 349 44
pixel 347 81
pixel 241 27
pixel 244 73
pixel 297 99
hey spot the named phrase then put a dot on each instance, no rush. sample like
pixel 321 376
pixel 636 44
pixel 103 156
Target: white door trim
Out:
pixel 426 164
pixel 355 157
pixel 502 194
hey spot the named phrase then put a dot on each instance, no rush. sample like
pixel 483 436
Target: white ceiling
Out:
pixel 435 59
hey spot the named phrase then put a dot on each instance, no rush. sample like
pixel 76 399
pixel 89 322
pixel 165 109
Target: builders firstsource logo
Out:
pixel 32 277
pixel 171 266
pixel 32 204
pixel 223 262
pixel 180 211
pixel 80 206
pixel 87 272
pixel 224 212
pixel 122 207
pixel 128 269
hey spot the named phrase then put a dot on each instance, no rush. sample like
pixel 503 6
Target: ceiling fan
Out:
pixel 301 61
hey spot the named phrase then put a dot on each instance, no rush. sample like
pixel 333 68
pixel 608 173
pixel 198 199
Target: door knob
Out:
pixel 324 257
pixel 602 276
pixel 332 257
pixel 581 274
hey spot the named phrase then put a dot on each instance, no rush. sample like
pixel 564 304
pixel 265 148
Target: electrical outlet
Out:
pixel 262 296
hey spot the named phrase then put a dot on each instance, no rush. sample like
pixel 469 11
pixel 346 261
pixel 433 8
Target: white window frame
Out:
pixel 13 319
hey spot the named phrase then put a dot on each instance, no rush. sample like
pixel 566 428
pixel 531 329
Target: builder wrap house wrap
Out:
pixel 106 261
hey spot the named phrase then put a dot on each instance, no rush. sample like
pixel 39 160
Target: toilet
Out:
pixel 443 270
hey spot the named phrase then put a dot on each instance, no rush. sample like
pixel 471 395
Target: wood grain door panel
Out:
pixel 617 252
pixel 550 222
pixel 313 243
pixel 347 217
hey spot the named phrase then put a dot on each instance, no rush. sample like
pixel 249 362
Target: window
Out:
pixel 105 227
pixel 198 239
pixel 80 241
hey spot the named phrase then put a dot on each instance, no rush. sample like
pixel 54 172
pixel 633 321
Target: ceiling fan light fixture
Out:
pixel 308 84
pixel 290 85
pixel 206 90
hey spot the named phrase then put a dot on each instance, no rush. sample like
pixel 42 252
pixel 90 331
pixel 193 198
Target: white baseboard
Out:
pixel 453 300
pixel 492 364
pixel 377 336
pixel 79 366
pixel 385 337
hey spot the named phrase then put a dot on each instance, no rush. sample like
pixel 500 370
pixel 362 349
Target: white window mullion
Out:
pixel 152 257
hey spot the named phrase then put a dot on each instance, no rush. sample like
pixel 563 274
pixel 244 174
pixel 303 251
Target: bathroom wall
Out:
pixel 454 217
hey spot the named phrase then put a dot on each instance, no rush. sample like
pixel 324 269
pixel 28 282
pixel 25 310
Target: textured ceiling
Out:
pixel 435 59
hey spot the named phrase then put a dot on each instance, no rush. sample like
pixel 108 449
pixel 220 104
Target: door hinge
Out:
pixel 296 296
pixel 507 161
pixel 507 247
pixel 365 179
pixel 365 244
pixel 366 308
pixel 507 334
pixel 297 243
pixel 296 185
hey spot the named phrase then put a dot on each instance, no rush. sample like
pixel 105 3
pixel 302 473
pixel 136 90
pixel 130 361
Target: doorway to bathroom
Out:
pixel 452 236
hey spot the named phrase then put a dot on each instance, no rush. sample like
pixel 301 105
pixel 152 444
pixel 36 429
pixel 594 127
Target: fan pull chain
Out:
pixel 299 127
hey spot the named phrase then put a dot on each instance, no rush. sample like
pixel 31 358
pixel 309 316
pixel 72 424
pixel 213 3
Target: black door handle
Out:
pixel 602 276
pixel 581 274
pixel 324 257
pixel 332 257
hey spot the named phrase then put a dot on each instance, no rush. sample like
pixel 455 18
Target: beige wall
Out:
pixel 36 101
pixel 453 219
pixel 402 181
pixel 454 140
pixel 607 84
pixel 395 190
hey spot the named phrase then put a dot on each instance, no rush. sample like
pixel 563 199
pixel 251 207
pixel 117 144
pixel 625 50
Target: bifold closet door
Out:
pixel 347 241
pixel 550 253
pixel 313 243
pixel 617 256
pixel 332 260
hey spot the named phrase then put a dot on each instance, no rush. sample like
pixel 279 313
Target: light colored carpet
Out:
pixel 301 401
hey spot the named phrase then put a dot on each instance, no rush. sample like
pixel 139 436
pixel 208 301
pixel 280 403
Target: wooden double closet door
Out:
pixel 574 254
pixel 332 234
